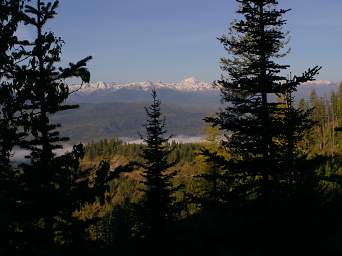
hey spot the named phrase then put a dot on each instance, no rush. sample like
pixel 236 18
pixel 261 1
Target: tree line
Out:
pixel 262 184
pixel 326 112
pixel 108 148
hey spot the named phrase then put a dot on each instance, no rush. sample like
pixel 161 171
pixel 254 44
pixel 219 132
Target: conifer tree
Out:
pixel 296 171
pixel 217 180
pixel 158 180
pixel 53 187
pixel 250 119
pixel 10 15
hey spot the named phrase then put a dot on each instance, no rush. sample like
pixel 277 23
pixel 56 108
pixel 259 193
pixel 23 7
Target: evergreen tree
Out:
pixel 261 135
pixel 158 180
pixel 217 180
pixel 250 119
pixel 298 178
pixel 10 16
pixel 52 187
pixel 339 104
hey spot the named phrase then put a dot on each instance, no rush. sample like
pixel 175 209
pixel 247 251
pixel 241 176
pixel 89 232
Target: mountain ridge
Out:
pixel 189 91
pixel 112 109
pixel 190 84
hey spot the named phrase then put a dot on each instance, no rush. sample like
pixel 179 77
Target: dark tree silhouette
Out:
pixel 158 179
pixel 261 131
pixel 41 195
pixel 10 15
pixel 250 119
pixel 52 187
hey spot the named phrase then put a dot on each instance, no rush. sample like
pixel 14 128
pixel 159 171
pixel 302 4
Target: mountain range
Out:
pixel 117 109
pixel 196 92
pixel 189 92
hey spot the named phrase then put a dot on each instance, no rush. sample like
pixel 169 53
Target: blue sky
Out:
pixel 168 40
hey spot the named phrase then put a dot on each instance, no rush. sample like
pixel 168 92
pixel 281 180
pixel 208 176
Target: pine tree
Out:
pixel 297 172
pixel 217 180
pixel 261 134
pixel 52 186
pixel 158 180
pixel 270 178
pixel 250 119
pixel 10 16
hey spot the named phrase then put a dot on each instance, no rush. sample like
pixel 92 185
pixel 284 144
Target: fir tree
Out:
pixel 297 174
pixel 158 180
pixel 262 134
pixel 53 187
pixel 250 119
pixel 10 16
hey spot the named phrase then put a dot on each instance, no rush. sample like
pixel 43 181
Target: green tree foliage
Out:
pixel 215 180
pixel 159 189
pixel 265 169
pixel 132 151
pixel 325 138
pixel 252 123
pixel 50 187
pixel 253 190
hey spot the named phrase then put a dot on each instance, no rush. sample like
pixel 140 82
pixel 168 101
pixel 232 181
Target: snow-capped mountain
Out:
pixel 189 91
pixel 186 92
pixel 190 84
pixel 109 109
pixel 187 85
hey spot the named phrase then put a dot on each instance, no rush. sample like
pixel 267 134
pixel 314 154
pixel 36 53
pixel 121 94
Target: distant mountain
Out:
pixel 187 85
pixel 186 92
pixel 111 109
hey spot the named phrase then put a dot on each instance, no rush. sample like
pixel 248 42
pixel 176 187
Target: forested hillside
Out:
pixel 100 121
pixel 326 112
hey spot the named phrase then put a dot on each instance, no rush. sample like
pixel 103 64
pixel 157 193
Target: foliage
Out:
pixel 158 182
pixel 267 176
pixel 49 188
pixel 256 129
pixel 10 134
pixel 265 171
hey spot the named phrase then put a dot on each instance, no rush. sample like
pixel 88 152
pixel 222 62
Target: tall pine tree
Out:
pixel 10 17
pixel 250 118
pixel 53 187
pixel 262 127
pixel 10 14
pixel 157 177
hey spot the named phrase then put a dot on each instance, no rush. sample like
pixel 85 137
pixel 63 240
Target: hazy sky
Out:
pixel 168 40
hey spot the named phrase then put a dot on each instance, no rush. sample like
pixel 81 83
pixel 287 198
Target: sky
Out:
pixel 169 40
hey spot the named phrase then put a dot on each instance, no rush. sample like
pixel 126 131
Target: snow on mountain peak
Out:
pixel 190 80
pixel 188 84
pixel 101 85
pixel 147 83
pixel 320 83
pixel 192 84
pixel 92 87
